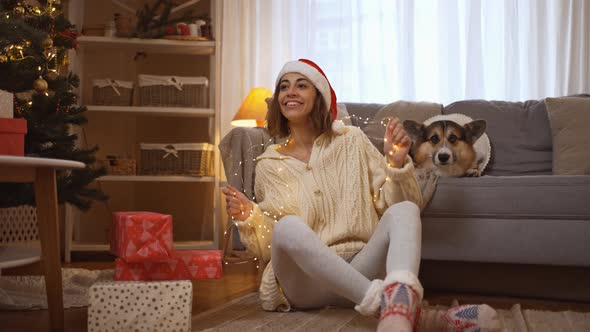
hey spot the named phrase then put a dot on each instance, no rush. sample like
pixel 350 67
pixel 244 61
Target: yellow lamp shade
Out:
pixel 253 110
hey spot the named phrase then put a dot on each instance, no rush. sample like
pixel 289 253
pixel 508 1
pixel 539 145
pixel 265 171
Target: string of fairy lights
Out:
pixel 281 210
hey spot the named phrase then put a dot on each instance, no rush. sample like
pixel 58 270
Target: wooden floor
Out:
pixel 238 280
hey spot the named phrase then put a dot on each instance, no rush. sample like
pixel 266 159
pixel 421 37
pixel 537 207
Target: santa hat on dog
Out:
pixel 316 75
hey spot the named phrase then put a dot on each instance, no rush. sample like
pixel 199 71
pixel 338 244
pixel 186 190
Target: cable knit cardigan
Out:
pixel 341 193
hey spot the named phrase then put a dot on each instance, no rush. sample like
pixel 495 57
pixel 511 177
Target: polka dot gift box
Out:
pixel 162 306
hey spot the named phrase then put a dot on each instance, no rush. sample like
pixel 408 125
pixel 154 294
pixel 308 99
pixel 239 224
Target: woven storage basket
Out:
pixel 173 91
pixel 112 92
pixel 118 166
pixel 194 159
pixel 18 225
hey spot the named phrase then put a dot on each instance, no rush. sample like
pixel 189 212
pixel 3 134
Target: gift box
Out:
pixel 6 104
pixel 183 265
pixel 12 136
pixel 141 236
pixel 140 306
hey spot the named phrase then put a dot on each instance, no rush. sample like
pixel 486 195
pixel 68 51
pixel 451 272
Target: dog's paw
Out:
pixel 474 172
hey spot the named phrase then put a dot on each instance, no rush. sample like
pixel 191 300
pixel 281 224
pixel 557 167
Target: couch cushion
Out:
pixel 569 118
pixel 543 197
pixel 510 219
pixel 519 133
pixel 362 113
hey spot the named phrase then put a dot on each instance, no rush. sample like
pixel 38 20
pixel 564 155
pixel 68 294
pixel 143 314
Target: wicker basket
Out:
pixel 18 225
pixel 112 92
pixel 194 159
pixel 173 91
pixel 118 166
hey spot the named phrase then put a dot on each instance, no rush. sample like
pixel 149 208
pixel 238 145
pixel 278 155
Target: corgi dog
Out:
pixel 446 146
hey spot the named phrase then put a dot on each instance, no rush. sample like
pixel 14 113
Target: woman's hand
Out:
pixel 396 143
pixel 237 204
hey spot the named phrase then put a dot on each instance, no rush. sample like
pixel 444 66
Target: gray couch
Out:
pixel 479 233
pixel 518 212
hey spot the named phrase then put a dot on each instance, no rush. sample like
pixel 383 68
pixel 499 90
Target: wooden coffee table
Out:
pixel 41 171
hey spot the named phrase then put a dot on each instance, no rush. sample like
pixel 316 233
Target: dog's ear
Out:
pixel 474 130
pixel 414 129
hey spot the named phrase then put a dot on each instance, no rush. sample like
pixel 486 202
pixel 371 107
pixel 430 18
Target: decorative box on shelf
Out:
pixel 195 159
pixel 175 91
pixel 118 166
pixel 162 306
pixel 112 92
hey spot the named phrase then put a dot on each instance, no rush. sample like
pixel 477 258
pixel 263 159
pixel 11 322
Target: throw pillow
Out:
pixel 569 118
pixel 404 110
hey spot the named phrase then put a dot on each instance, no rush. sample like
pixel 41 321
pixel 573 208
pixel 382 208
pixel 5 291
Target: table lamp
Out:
pixel 252 112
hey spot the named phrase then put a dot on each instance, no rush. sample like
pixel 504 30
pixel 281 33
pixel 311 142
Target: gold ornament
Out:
pixel 65 61
pixel 3 58
pixel 40 85
pixel 52 76
pixel 19 10
pixel 47 43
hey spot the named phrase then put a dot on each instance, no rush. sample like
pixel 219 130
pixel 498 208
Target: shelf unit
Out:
pixel 168 117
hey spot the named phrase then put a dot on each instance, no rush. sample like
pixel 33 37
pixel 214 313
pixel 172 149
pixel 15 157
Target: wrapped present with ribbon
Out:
pixel 183 265
pixel 141 236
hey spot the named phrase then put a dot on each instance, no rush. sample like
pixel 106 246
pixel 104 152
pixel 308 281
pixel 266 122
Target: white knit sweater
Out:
pixel 341 193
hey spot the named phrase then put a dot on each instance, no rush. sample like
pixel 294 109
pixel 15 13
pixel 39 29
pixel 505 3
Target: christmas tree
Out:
pixel 34 41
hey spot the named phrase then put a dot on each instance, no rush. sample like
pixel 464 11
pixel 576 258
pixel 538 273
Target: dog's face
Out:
pixel 445 145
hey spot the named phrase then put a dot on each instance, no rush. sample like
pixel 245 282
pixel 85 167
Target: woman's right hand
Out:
pixel 237 204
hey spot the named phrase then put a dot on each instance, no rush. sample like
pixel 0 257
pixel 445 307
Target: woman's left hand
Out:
pixel 396 143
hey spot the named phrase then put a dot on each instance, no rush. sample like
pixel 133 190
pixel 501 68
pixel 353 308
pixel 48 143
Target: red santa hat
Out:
pixel 316 75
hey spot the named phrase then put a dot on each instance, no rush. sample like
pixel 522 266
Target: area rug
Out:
pixel 28 292
pixel 244 314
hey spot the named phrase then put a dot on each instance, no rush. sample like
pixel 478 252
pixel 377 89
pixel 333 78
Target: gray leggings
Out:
pixel 314 276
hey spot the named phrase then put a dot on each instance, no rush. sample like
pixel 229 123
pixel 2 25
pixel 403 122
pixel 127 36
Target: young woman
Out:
pixel 340 221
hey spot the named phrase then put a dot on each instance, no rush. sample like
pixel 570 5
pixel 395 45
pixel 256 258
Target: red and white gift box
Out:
pixel 183 265
pixel 141 236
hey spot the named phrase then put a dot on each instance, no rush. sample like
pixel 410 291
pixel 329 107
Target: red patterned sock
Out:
pixel 471 318
pixel 399 308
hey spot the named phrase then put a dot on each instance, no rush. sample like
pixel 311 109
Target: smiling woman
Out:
pixel 336 222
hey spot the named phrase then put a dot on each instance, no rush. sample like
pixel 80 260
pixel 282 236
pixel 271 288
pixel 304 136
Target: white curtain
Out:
pixel 430 50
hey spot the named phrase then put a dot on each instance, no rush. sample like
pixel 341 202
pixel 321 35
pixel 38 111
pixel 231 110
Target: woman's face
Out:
pixel 296 97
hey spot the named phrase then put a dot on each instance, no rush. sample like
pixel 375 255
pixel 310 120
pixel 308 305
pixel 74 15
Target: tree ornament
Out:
pixel 19 10
pixel 52 76
pixel 40 85
pixel 47 43
pixel 65 60
pixel 3 58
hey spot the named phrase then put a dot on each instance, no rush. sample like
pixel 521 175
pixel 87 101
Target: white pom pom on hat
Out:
pixel 316 75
